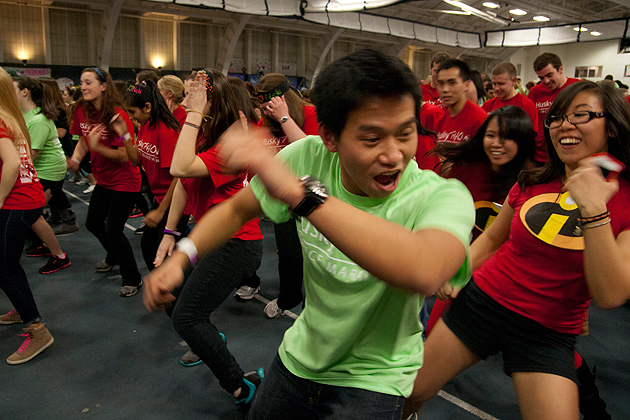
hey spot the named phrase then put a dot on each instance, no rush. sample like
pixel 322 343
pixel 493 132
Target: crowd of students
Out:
pixel 382 191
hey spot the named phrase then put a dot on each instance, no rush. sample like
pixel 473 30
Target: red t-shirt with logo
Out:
pixel 309 127
pixel 431 95
pixel 156 145
pixel 428 114
pixel 462 126
pixel 27 193
pixel 543 98
pixel 205 193
pixel 180 115
pixel 109 173
pixel 518 100
pixel 539 271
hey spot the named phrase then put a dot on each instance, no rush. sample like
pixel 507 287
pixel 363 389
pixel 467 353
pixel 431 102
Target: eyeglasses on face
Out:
pixel 575 118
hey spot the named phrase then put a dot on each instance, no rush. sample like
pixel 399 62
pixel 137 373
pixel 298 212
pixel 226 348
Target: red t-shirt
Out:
pixel 520 101
pixel 543 98
pixel 431 95
pixel 428 115
pixel 180 115
pixel 481 181
pixel 205 193
pixel 462 126
pixel 156 145
pixel 628 99
pixel 309 127
pixel 27 193
pixel 109 173
pixel 541 275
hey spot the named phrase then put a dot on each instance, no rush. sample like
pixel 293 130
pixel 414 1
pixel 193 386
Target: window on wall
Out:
pixel 588 71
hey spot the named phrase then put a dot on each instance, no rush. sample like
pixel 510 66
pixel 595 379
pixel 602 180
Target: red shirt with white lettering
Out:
pixel 109 173
pixel 205 193
pixel 309 127
pixel 156 145
pixel 428 114
pixel 518 100
pixel 27 193
pixel 431 95
pixel 543 98
pixel 462 126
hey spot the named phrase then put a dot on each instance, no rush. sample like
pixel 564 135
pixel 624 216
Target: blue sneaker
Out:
pixel 252 380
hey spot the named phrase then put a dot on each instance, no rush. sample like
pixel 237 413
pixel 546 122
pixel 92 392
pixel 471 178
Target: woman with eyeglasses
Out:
pixel 118 181
pixel 560 240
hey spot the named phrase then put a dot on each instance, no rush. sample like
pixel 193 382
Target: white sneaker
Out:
pixel 272 310
pixel 89 189
pixel 246 292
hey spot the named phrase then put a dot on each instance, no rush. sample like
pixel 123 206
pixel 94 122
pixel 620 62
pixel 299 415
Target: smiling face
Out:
pixel 499 150
pixel 91 88
pixel 140 115
pixel 551 77
pixel 378 141
pixel 576 142
pixel 503 86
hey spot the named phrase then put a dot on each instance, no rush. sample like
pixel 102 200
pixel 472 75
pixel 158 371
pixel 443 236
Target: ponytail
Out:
pixel 41 95
pixel 146 91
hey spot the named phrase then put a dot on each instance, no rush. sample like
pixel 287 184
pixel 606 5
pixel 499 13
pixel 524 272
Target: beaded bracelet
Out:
pixel 597 225
pixel 594 218
pixel 172 232
pixel 204 117
pixel 192 125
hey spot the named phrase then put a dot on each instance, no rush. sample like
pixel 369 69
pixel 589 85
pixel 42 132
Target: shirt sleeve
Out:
pixel 216 168
pixel 310 126
pixel 39 134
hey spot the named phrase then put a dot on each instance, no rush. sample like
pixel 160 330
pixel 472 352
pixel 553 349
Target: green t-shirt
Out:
pixel 355 330
pixel 51 161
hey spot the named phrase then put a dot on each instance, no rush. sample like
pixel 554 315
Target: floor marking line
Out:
pixel 464 405
pixel 266 301
pixel 127 225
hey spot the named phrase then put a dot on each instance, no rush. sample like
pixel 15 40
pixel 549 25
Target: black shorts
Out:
pixel 53 186
pixel 486 327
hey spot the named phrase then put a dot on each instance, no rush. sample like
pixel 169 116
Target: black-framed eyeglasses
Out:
pixel 575 118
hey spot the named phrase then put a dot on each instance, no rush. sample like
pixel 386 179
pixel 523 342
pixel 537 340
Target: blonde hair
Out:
pixel 174 85
pixel 10 114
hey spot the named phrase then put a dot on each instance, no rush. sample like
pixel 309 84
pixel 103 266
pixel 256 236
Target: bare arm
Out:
pixel 178 205
pixel 154 217
pixel 93 139
pixel 493 237
pixel 80 150
pixel 276 109
pixel 34 153
pixel 10 167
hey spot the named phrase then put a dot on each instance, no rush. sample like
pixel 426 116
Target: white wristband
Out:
pixel 126 137
pixel 189 248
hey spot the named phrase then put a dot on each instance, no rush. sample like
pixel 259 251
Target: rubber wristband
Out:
pixel 75 160
pixel 126 137
pixel 189 248
pixel 172 232
pixel 192 125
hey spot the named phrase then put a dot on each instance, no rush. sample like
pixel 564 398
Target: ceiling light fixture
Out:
pixel 595 33
pixel 541 18
pixel 580 29
pixel 491 5
pixel 489 16
pixel 518 12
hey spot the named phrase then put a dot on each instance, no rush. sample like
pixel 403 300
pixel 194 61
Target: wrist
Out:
pixel 592 209
pixel 188 248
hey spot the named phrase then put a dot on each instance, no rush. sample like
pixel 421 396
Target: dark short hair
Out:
pixel 440 57
pixel 503 68
pixel 544 59
pixel 464 70
pixel 351 81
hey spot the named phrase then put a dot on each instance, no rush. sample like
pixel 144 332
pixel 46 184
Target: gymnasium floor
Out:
pixel 113 360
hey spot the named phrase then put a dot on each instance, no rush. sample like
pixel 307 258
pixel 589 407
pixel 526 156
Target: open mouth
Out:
pixel 569 141
pixel 387 179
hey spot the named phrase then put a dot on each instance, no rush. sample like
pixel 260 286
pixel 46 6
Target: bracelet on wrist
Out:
pixel 126 137
pixel 203 116
pixel 189 248
pixel 172 232
pixel 589 226
pixel 75 160
pixel 192 125
pixel 595 218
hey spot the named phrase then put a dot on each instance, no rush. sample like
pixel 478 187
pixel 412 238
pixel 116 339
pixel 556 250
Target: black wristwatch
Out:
pixel 315 193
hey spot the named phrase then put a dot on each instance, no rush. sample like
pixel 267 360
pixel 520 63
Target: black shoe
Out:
pixel 55 264
pixel 38 251
pixel 592 406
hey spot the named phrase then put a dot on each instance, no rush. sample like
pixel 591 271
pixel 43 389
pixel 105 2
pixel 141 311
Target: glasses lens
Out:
pixel 580 117
pixel 553 121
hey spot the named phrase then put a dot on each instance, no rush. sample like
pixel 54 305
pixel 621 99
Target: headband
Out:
pixel 279 90
pixel 99 73
pixel 209 80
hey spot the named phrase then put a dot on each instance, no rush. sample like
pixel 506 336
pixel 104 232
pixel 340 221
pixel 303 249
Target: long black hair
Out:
pixel 514 124
pixel 145 92
pixel 617 126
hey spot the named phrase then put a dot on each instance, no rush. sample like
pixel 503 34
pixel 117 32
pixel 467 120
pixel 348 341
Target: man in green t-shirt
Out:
pixel 377 235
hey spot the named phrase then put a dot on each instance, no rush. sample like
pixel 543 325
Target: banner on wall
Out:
pixel 288 69
pixel 34 72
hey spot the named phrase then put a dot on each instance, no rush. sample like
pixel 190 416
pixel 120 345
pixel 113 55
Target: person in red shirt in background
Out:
pixel 504 83
pixel 462 117
pixel 549 69
pixel 430 93
pixel 172 90
pixel 21 204
pixel 288 118
pixel 426 140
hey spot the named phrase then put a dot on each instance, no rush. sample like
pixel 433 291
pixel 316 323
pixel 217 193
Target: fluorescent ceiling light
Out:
pixel 489 16
pixel 455 12
pixel 491 5
pixel 595 33
pixel 518 12
pixel 578 29
pixel 541 18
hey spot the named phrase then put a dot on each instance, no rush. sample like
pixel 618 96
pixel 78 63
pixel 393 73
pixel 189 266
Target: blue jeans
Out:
pixel 282 395
pixel 14 225
pixel 205 288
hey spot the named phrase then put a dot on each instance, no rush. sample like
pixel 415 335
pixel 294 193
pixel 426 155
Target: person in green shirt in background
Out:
pixel 377 233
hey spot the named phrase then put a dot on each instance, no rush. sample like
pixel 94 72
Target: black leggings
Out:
pixel 151 237
pixel 106 218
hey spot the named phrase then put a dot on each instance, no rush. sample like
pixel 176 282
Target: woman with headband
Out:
pixel 21 203
pixel 118 181
pixel 212 108
pixel 288 118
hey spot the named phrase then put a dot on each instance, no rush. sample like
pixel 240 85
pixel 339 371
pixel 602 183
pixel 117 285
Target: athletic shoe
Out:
pixel 38 251
pixel 103 267
pixel 191 359
pixel 135 213
pixel 272 310
pixel 414 416
pixel 89 189
pixel 11 317
pixel 140 230
pixel 252 380
pixel 55 264
pixel 37 339
pixel 246 292
pixel 128 291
